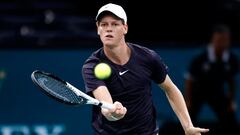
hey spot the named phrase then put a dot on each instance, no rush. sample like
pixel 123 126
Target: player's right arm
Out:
pixel 102 94
pixel 98 89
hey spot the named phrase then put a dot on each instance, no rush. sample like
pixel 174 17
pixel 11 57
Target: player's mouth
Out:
pixel 109 36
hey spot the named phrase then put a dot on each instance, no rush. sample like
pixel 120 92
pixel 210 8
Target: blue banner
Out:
pixel 27 111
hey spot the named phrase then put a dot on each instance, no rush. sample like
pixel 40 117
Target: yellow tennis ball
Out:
pixel 102 71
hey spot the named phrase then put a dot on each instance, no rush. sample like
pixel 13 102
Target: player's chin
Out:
pixel 109 43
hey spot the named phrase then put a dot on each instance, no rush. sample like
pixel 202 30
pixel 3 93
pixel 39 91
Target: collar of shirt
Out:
pixel 212 56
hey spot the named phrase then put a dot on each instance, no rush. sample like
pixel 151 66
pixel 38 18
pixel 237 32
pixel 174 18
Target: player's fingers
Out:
pixel 119 114
pixel 196 131
pixel 202 130
pixel 119 111
pixel 118 105
pixel 124 110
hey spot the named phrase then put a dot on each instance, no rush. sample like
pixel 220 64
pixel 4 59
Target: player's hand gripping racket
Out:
pixel 63 91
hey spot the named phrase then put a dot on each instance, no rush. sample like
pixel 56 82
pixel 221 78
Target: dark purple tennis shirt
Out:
pixel 129 84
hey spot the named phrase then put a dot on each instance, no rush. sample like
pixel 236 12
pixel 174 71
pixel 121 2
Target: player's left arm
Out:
pixel 178 104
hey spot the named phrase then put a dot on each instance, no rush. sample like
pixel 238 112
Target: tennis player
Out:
pixel 134 67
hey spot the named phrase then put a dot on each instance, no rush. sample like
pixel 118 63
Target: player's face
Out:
pixel 111 30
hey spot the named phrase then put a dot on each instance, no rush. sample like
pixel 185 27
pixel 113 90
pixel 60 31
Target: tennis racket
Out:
pixel 64 92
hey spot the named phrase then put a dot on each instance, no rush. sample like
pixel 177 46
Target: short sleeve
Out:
pixel 91 82
pixel 160 70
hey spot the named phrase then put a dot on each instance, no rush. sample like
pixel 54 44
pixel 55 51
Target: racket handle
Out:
pixel 106 105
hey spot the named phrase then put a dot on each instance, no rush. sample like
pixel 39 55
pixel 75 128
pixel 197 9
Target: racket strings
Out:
pixel 59 90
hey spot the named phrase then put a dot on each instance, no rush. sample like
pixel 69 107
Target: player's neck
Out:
pixel 119 54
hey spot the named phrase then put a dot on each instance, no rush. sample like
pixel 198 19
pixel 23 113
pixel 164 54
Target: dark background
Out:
pixel 57 36
pixel 24 23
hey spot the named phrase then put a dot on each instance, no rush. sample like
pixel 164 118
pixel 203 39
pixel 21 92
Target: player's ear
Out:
pixel 125 29
pixel 97 24
pixel 98 32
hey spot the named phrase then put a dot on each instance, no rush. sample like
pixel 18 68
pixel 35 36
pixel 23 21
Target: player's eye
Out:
pixel 103 24
pixel 115 24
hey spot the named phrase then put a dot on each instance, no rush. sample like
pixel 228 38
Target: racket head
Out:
pixel 56 88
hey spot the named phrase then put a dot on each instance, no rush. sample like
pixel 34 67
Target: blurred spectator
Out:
pixel 210 80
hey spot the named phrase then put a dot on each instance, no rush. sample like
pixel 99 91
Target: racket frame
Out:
pixel 87 99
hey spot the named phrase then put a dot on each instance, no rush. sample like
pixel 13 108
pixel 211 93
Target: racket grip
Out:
pixel 106 105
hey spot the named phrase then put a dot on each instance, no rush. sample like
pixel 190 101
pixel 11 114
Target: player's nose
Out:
pixel 109 29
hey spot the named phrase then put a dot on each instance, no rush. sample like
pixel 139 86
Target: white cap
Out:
pixel 115 9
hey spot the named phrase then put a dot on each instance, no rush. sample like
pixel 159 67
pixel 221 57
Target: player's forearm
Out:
pixel 118 112
pixel 102 94
pixel 177 102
